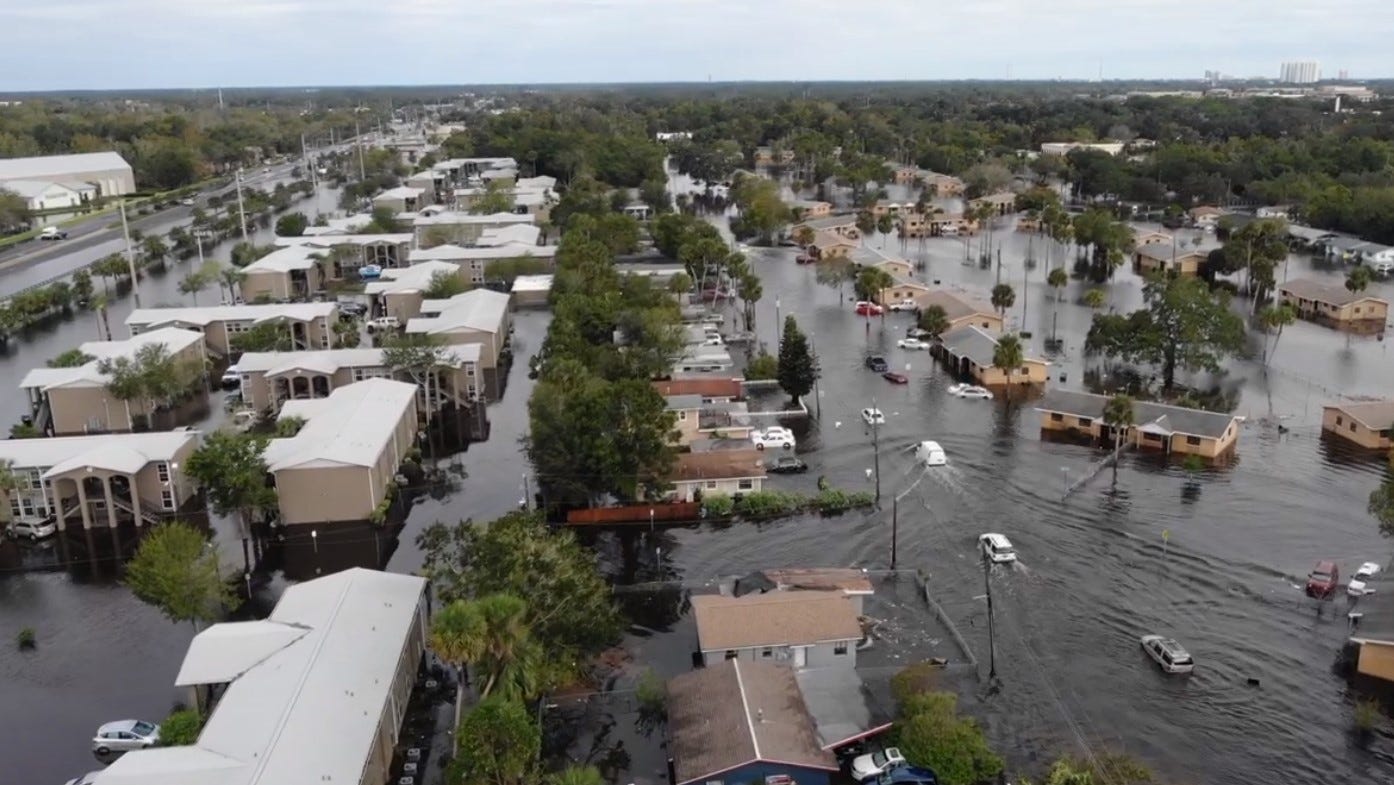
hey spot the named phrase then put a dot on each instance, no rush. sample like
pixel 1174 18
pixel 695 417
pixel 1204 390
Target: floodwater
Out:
pixel 1213 562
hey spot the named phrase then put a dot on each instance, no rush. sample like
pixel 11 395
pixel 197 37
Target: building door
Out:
pixel 800 657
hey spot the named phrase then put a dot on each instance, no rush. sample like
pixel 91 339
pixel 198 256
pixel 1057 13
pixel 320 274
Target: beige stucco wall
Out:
pixel 687 426
pixel 403 305
pixel 1186 264
pixel 987 321
pixel 1364 310
pixel 685 490
pixel 323 495
pixel 1036 372
pixel 1340 424
pixel 901 292
pixel 1179 443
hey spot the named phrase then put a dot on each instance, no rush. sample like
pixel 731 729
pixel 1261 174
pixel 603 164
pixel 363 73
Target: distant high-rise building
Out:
pixel 1301 72
pixel 1343 74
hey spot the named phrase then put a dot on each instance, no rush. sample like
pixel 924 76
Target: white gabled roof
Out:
pixel 517 234
pixel 33 189
pixel 283 260
pixel 203 316
pixel 493 219
pixel 533 283
pixel 410 279
pixel 349 428
pixel 92 450
pixel 400 192
pixel 328 240
pixel 477 309
pixel 309 686
pixel 50 167
pixel 174 339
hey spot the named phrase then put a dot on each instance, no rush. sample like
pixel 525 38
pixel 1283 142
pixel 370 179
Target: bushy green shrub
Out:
pixel 835 500
pixel 765 366
pixel 769 504
pixel 718 505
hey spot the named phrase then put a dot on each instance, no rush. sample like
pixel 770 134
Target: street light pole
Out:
pixel 130 255
pixel 778 325
pixel 991 640
pixel 876 446
pixel 241 211
pixel 895 529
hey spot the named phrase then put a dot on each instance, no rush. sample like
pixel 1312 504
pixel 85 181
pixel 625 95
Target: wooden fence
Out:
pixel 634 513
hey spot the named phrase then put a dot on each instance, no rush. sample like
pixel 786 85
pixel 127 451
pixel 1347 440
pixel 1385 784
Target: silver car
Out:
pixel 125 735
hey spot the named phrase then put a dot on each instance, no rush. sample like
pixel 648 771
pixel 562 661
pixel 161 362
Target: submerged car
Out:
pixel 864 767
pixel 873 416
pixel 902 305
pixel 231 379
pixel 34 530
pixel 125 735
pixel 1322 580
pixel 1168 654
pixel 786 464
pixel 1359 582
pixel 997 548
pixel 877 363
pixel 867 308
pixel 970 391
pixel 370 272
pixel 773 436
pixel 913 344
pixel 895 378
pixel 930 453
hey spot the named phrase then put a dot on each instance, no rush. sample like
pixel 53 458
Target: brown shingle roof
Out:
pixel 707 388
pixel 737 713
pixel 798 618
pixel 830 239
pixel 825 578
pixel 954 307
pixel 1375 415
pixel 718 465
pixel 1308 289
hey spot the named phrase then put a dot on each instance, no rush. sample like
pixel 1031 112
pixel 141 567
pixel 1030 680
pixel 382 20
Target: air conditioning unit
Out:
pixel 406 781
pixel 413 753
pixel 409 768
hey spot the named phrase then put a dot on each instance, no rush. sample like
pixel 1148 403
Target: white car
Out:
pixel 1359 582
pixel 901 305
pixel 231 378
pixel 873 764
pixel 1168 654
pixel 970 391
pixel 931 454
pixel 773 436
pixel 34 530
pixel 997 548
pixel 915 332
pixel 873 416
pixel 125 735
pixel 913 344
pixel 385 323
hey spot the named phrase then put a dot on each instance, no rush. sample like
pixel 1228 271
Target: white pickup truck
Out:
pixel 53 233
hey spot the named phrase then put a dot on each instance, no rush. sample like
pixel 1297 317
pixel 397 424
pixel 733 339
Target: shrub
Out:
pixel 765 366
pixel 718 505
pixel 26 639
pixel 181 728
pixel 769 504
pixel 835 500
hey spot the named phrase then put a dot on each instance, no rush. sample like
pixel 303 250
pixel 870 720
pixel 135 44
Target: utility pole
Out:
pixel 358 142
pixel 1025 282
pixel 876 446
pixel 999 265
pixel 130 256
pixel 991 640
pixel 777 326
pixel 309 165
pixel 895 527
pixel 241 211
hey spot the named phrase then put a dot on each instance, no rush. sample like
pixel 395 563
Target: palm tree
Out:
pixel 1057 280
pixel 492 633
pixel 99 304
pixel 1118 416
pixel 884 225
pixel 232 278
pixel 934 320
pixel 1003 297
pixel 154 250
pixel 1274 318
pixel 193 283
pixel 1009 356
pixel 866 224
pixel 1095 299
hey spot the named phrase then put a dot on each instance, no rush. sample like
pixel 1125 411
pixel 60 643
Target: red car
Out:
pixel 1322 580
pixel 865 308
pixel 895 378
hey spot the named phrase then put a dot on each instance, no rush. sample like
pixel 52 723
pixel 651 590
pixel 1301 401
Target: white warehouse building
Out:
pixel 51 181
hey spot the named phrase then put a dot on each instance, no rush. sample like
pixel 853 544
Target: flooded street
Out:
pixel 1096 569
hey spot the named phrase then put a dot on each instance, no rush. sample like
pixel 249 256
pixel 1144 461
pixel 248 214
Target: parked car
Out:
pixel 915 332
pixel 931 454
pixel 902 305
pixel 786 464
pixel 1359 582
pixel 908 775
pixel 970 391
pixel 243 421
pixel 877 363
pixel 53 233
pixel 385 323
pixel 997 548
pixel 773 436
pixel 895 378
pixel 370 272
pixel 34 530
pixel 187 202
pixel 864 767
pixel 913 344
pixel 352 310
pixel 231 378
pixel 1322 580
pixel 872 416
pixel 865 308
pixel 1168 654
pixel 125 735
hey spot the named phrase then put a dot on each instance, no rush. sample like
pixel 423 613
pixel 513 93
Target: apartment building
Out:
pixel 309 325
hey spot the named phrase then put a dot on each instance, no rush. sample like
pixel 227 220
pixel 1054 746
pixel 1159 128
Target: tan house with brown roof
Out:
pixel 915 224
pixel 1205 215
pixel 1174 430
pixel 830 245
pixel 804 629
pixel 903 291
pixel 338 466
pixel 731 472
pixel 842 225
pixel 710 390
pixel 1334 306
pixel 969 351
pixel 961 310
pixel 739 722
pixel 1369 424
pixel 1143 237
pixel 942 185
pixel 1004 201
pixel 807 209
pixel 1165 257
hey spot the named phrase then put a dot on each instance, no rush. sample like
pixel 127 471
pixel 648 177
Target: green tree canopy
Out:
pixel 934 320
pixel 497 744
pixel 231 468
pixel 492 634
pixel 175 569
pixel 798 367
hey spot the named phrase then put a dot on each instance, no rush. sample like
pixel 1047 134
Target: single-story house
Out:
pixel 99 480
pixel 806 209
pixel 870 257
pixel 316 692
pixel 1205 216
pixel 961 310
pixel 1143 237
pixel 1166 257
pixel 850 582
pixel 310 325
pixel 891 207
pixel 904 174
pixel 968 351
pixel 1334 306
pixel 805 629
pixel 1156 426
pixel 338 465
pixel 916 224
pixel 844 225
pixel 400 292
pixel 742 722
pixel 697 474
pixel 710 389
pixel 942 185
pixel 1004 201
pixel 902 290
pixel 39 195
pixel 1368 424
pixel 831 245
pixel 78 399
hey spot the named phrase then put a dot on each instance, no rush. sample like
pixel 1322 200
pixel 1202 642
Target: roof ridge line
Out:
pixel 745 704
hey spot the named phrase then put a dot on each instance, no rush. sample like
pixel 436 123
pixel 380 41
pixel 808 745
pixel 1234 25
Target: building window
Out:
pixel 711 485
pixel 767 652
pixel 840 649
pixel 682 416
pixel 1057 417
pixel 1352 427
pixel 1152 437
pixel 162 470
pixel 1193 440
pixel 1086 422
pixel 745 484
pixel 1338 420
pixel 377 372
pixel 167 499
pixel 234 328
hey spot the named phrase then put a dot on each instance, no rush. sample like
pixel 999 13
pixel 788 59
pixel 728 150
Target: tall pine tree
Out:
pixel 798 368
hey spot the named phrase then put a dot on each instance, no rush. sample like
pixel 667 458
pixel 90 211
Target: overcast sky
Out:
pixel 113 44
